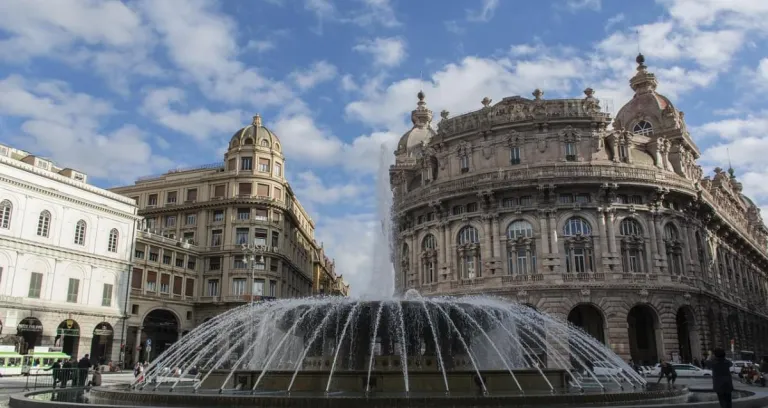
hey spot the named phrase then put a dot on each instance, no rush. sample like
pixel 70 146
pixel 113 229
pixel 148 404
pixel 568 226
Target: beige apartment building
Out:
pixel 324 280
pixel 607 222
pixel 189 262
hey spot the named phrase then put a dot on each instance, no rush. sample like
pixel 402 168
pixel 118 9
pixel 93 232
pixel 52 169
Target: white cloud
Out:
pixel 485 13
pixel 388 52
pixel 199 123
pixel 312 189
pixel 370 12
pixel 319 72
pixel 260 45
pixel 68 126
pixel 452 26
pixel 612 21
pixel 576 5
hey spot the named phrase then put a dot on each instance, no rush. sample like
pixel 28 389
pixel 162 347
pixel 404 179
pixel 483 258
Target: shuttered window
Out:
pixel 136 278
pixel 263 190
pixel 177 282
pixel 189 290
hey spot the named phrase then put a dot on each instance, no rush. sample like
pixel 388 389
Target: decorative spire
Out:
pixel 257 120
pixel 421 116
pixel 643 81
pixel 731 171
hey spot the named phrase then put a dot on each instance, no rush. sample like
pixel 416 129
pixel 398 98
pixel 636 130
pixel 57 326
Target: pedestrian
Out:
pixel 96 377
pixel 82 370
pixel 56 367
pixel 722 382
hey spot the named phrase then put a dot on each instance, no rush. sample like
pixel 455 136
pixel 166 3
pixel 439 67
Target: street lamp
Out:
pixel 250 252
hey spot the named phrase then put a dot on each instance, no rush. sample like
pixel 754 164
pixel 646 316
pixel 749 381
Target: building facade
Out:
pixel 324 278
pixel 189 263
pixel 613 228
pixel 65 251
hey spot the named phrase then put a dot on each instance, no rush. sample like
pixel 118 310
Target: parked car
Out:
pixel 738 365
pixel 605 368
pixel 690 370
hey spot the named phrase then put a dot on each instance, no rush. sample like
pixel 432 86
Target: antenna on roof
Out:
pixel 421 80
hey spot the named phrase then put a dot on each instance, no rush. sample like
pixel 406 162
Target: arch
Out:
pixel 644 334
pixel 468 235
pixel 671 231
pixel 265 142
pixel 630 227
pixel 687 334
pixel 113 240
pixel 519 229
pixel 428 242
pixel 44 224
pixel 161 326
pixel 31 330
pixel 101 342
pixel 643 128
pixel 277 146
pixel 674 248
pixel 576 225
pixel 565 216
pixel 68 337
pixel 632 245
pixel 590 318
pixel 248 141
pixel 6 212
pixel 80 230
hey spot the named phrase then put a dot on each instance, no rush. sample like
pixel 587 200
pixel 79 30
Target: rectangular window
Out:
pixel 218 216
pixel 278 194
pixel 258 287
pixel 166 259
pixel 570 151
pixel 464 163
pixel 213 287
pixel 191 263
pixel 170 197
pixel 263 165
pixel 214 264
pixel 238 286
pixel 239 262
pixel 106 295
pixel 72 290
pixel 35 285
pixel 152 200
pixel 191 219
pixel 150 223
pixel 179 261
pixel 272 288
pixel 191 195
pixel 153 256
pixel 275 239
pixel 243 213
pixel 623 153
pixel 636 199
pixel 220 191
pixel 139 254
pixel 260 237
pixel 241 236
pixel 565 199
pixel 151 281
pixel 232 164
pixel 134 309
pixel 136 278
pixel 170 221
pixel 244 189
pixel 246 163
pixel 177 283
pixel 189 290
pixel 278 170
pixel 509 202
pixel 165 283
pixel 262 190
pixel 582 198
pixel 514 155
pixel 260 215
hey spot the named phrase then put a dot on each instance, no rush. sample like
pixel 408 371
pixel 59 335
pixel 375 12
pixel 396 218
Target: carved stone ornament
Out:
pixel 643 295
pixel 463 149
pixel 542 144
pixel 585 293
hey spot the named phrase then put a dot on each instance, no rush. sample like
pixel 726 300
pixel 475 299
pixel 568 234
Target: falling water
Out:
pixel 382 278
pixel 296 344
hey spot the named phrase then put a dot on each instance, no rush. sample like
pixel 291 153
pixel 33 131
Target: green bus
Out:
pixel 40 358
pixel 10 361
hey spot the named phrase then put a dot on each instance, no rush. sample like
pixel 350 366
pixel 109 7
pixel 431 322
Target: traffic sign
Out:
pixel 149 342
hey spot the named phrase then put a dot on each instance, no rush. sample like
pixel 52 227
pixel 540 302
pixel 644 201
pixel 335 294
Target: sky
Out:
pixel 122 89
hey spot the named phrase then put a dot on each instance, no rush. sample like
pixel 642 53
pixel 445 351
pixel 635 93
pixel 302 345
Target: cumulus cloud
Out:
pixel 484 13
pixel 387 52
pixel 319 72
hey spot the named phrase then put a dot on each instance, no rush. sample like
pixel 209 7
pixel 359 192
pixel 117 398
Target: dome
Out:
pixel 646 105
pixel 422 131
pixel 255 133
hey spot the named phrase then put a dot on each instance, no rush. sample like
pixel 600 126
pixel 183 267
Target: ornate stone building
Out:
pixel 189 263
pixel 65 251
pixel 614 228
pixel 324 278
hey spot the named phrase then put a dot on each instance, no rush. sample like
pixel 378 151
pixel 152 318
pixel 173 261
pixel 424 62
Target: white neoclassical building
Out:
pixel 65 249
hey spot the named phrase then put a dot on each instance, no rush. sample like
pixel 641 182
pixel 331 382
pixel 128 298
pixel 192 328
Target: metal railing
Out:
pixel 57 378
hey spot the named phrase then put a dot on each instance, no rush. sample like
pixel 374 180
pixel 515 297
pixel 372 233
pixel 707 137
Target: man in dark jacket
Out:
pixel 722 382
pixel 82 373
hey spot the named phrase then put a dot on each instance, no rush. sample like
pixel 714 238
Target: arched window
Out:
pixel 579 257
pixel 80 229
pixel 632 246
pixel 469 253
pixel 521 248
pixel 701 254
pixel 248 141
pixel 265 142
pixel 6 210
pixel 112 244
pixel 643 128
pixel 43 224
pixel 674 249
pixel 429 259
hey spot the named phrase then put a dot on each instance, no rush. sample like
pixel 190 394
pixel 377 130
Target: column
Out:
pixel 441 245
pixel 687 252
pixel 136 345
pixel 610 216
pixel 496 236
pixel 487 239
pixel 654 253
pixel 603 232
pixel 414 268
pixel 553 231
pixel 659 236
pixel 543 232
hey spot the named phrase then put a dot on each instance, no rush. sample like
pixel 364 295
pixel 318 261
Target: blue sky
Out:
pixel 124 89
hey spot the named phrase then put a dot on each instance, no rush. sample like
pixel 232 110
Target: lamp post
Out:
pixel 250 252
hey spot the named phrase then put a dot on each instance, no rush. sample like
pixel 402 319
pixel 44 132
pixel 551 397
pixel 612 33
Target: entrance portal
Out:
pixel 31 330
pixel 589 318
pixel 68 337
pixel 687 334
pixel 643 335
pixel 101 343
pixel 161 328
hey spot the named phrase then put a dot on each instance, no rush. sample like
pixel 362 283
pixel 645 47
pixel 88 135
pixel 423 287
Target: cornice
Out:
pixel 68 198
pixel 30 247
pixel 58 310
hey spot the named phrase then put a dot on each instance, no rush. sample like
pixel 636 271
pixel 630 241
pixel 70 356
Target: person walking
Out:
pixel 722 382
pixel 56 367
pixel 82 370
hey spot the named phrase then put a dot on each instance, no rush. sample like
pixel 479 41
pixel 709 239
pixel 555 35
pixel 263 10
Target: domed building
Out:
pixel 189 260
pixel 613 228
